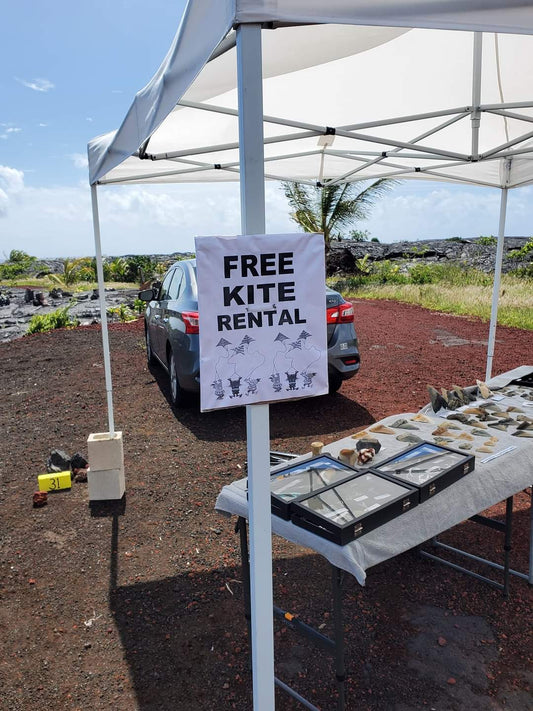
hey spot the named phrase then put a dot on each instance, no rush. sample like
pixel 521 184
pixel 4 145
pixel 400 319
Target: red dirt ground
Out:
pixel 140 608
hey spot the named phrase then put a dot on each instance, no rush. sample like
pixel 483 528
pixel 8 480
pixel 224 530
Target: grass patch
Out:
pixel 45 284
pixel 515 306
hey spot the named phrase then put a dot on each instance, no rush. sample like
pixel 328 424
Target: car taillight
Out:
pixel 343 313
pixel 190 319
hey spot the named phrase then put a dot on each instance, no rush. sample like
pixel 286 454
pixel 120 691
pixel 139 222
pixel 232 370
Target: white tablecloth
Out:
pixel 488 484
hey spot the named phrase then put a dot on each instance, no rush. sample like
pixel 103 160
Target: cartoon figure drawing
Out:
pixel 308 379
pixel 219 388
pixel 291 379
pixel 276 381
pixel 252 385
pixel 235 384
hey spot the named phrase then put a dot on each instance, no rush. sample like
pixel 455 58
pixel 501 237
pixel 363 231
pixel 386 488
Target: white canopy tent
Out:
pixel 343 90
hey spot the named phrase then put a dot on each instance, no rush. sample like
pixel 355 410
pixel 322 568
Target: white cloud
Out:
pixel 8 130
pixel 79 159
pixel 42 85
pixel 43 125
pixel 11 183
pixel 145 219
pixel 419 210
pixel 89 119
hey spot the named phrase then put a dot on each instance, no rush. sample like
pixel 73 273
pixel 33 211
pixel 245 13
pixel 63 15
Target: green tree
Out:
pixel 118 268
pixel 331 208
pixel 18 256
pixel 71 272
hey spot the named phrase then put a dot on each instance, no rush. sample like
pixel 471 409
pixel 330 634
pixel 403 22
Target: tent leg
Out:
pixel 496 287
pixel 103 313
pixel 252 186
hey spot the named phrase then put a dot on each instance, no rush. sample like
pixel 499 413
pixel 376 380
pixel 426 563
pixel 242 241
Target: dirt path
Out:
pixel 140 609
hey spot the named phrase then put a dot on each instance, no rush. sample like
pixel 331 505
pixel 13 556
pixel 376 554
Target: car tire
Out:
pixel 149 352
pixel 178 397
pixel 335 381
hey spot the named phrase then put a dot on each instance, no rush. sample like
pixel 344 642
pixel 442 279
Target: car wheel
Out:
pixel 177 396
pixel 335 381
pixel 149 352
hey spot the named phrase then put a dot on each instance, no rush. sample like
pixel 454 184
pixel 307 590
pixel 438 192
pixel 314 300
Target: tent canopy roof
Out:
pixel 342 101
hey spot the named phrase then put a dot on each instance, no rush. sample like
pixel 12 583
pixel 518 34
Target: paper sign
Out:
pixel 262 317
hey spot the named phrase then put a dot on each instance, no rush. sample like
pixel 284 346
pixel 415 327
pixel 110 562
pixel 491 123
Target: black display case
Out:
pixel 428 467
pixel 525 381
pixel 349 509
pixel 292 483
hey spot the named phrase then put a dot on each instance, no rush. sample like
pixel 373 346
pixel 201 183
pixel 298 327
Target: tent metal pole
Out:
pixel 496 287
pixel 476 92
pixel 511 114
pixel 232 146
pixel 103 312
pixel 267 118
pixel 252 187
pixel 509 144
pixel 396 151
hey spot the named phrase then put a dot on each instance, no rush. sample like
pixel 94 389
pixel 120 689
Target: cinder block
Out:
pixel 106 484
pixel 54 481
pixel 105 451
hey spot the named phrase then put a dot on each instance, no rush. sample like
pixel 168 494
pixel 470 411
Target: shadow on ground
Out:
pixel 329 414
pixel 185 637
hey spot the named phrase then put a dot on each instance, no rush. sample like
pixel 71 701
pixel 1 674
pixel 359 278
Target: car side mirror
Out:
pixel 147 294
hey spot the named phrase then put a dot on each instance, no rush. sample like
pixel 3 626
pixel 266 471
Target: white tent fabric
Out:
pixel 341 77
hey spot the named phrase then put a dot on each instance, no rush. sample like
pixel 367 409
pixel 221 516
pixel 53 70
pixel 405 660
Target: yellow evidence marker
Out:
pixel 54 481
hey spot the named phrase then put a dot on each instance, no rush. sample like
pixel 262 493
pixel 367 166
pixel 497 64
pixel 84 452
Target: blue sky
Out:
pixel 68 72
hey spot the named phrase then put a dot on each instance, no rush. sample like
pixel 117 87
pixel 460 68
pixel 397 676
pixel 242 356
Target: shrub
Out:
pixel 385 272
pixel 139 305
pixel 423 274
pixel 17 264
pixel 523 272
pixel 139 268
pixel 40 323
pixel 122 312
pixel 487 241
pixel 359 235
pixel 523 251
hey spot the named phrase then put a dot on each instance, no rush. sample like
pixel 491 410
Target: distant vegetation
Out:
pixel 22 269
pixel 445 287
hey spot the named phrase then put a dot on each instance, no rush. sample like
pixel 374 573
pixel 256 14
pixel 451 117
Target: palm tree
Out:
pixel 71 272
pixel 328 208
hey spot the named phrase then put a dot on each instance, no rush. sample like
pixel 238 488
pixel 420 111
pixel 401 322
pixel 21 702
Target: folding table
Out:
pixel 491 482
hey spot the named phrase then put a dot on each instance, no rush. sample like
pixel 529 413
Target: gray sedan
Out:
pixel 171 329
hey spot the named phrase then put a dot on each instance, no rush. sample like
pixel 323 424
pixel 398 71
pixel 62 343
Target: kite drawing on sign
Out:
pixel 275 376
pixel 219 388
pixel 220 368
pixel 255 359
pixel 313 356
pixel 224 344
pixel 239 350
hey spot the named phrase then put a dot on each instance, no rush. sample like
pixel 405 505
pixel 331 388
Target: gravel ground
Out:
pixel 139 607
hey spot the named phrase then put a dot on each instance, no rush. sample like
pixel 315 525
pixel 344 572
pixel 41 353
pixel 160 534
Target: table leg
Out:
pixel 507 544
